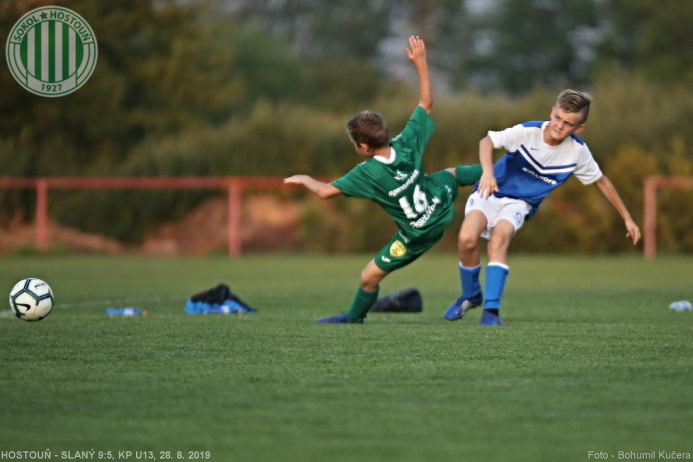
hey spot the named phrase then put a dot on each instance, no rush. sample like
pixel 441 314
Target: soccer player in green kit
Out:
pixel 393 177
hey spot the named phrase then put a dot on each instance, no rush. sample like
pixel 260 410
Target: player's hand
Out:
pixel 633 231
pixel 297 179
pixel 417 50
pixel 487 185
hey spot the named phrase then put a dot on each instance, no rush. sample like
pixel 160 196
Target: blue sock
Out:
pixel 496 273
pixel 470 281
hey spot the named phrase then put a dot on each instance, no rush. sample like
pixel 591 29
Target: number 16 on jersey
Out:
pixel 420 203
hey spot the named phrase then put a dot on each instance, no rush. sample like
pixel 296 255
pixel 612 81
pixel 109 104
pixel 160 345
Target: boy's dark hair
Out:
pixel 369 128
pixel 575 101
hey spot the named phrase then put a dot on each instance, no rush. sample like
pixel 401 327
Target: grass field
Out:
pixel 590 359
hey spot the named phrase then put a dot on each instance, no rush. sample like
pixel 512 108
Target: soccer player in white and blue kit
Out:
pixel 540 157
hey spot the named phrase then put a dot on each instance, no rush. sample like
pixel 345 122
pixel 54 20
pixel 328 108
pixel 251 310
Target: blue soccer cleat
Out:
pixel 461 306
pixel 339 319
pixel 490 319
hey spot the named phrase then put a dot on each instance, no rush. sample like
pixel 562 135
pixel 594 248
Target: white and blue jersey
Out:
pixel 531 169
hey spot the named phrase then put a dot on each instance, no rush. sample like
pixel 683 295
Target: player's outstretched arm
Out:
pixel 608 190
pixel 322 190
pixel 487 183
pixel 417 53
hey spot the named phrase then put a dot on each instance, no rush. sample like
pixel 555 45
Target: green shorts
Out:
pixel 398 253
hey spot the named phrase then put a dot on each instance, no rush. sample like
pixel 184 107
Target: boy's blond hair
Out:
pixel 576 102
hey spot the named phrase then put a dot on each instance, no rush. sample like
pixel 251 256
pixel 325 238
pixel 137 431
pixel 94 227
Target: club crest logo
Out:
pixel 397 249
pixel 51 51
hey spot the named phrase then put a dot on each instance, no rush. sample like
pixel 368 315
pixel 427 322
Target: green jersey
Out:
pixel 420 204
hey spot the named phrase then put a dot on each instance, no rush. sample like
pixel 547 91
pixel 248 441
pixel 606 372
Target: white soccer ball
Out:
pixel 681 306
pixel 31 299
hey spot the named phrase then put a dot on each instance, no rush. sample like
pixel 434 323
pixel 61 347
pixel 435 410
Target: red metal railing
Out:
pixel 233 185
pixel 650 185
pixel 236 185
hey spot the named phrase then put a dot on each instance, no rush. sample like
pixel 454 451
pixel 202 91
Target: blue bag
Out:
pixel 218 300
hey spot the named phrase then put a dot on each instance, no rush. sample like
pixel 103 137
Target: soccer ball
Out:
pixel 31 299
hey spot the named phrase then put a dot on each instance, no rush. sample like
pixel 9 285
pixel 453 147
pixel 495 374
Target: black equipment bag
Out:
pixel 406 301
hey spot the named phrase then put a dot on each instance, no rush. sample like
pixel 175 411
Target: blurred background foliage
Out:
pixel 260 87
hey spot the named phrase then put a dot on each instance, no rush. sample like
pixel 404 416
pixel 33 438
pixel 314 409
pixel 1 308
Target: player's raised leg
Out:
pixel 470 265
pixel 365 297
pixel 465 175
pixel 496 271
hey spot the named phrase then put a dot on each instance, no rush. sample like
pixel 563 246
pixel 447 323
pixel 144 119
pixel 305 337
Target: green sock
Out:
pixel 467 175
pixel 363 302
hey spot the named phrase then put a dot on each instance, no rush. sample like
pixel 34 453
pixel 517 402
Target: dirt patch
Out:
pixel 24 237
pixel 267 224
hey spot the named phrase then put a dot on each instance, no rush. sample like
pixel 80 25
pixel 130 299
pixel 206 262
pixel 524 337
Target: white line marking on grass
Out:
pixel 120 301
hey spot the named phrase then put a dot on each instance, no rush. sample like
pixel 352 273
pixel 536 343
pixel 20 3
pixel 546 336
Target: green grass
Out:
pixel 590 359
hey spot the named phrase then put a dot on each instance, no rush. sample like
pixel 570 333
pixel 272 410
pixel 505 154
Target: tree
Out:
pixel 155 74
pixel 526 42
pixel 655 38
